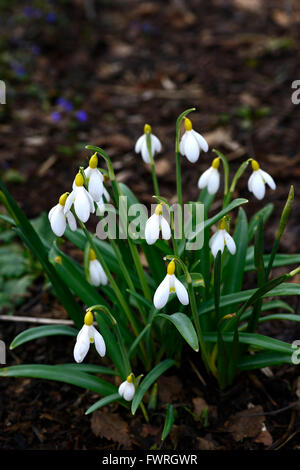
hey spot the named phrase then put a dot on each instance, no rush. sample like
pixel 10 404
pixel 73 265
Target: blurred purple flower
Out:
pixel 56 116
pixel 36 50
pixel 51 17
pixel 18 69
pixel 81 115
pixel 65 104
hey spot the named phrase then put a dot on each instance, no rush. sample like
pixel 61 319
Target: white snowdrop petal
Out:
pixel 213 182
pixel 82 344
pixel 58 222
pixel 145 153
pixel 230 243
pixel 152 229
pixel 139 143
pixel 82 204
pixel 250 181
pixel 121 388
pixel 129 391
pixel 102 274
pixel 87 172
pixel 165 228
pixel 99 343
pixel 96 185
pixel 191 148
pixel 258 186
pixel 204 178
pixel 95 276
pixel 201 141
pixel 162 293
pixel 212 238
pixel 155 144
pixel 181 292
pixel 268 179
pixel 100 207
pixel 218 243
pixel 71 221
pixel 52 211
pixel 69 201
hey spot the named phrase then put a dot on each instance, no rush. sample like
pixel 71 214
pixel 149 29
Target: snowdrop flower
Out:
pixel 170 284
pixel 94 178
pixel 127 388
pixel 258 180
pixel 210 179
pixel 141 144
pixel 96 272
pixel 220 239
pixel 154 224
pixel 192 142
pixel 104 199
pixel 87 335
pixel 58 218
pixel 82 200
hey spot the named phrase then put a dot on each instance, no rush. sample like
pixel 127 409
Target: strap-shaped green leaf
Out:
pixel 150 378
pixel 42 332
pixel 185 327
pixel 60 374
pixel 103 402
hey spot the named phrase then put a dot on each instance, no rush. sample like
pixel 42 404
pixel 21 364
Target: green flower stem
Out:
pixel 236 177
pixel 282 224
pixel 127 276
pixel 117 193
pixel 140 270
pixel 193 308
pixel 124 353
pixel 112 281
pixel 178 161
pixel 154 177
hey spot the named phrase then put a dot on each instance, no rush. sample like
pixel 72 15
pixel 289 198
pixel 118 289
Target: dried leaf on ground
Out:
pixel 112 427
pixel 246 423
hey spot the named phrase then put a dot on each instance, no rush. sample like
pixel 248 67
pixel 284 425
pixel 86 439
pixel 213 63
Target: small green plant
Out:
pixel 191 290
pixel 18 270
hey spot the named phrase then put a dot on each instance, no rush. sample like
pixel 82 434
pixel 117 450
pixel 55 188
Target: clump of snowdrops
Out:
pixel 188 292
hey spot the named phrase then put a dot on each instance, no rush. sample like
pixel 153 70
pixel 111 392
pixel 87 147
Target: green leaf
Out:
pixel 264 359
pixel 253 339
pixel 91 368
pixel 150 378
pixel 280 260
pixel 60 374
pixel 103 402
pixel 234 271
pixel 185 327
pixel 41 332
pixel 265 212
pixel 73 275
pixel 169 421
pixel 238 297
pixel 33 241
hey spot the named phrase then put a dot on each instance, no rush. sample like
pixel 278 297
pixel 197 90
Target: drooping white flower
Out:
pixel 82 200
pixel 141 144
pixel 103 200
pixel 127 388
pixel 210 179
pixel 258 180
pixel 154 224
pixel 192 142
pixel 58 218
pixel 96 272
pixel 170 284
pixel 94 178
pixel 220 239
pixel 87 335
